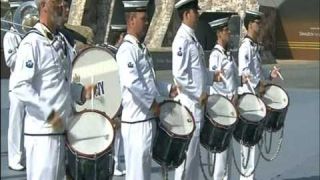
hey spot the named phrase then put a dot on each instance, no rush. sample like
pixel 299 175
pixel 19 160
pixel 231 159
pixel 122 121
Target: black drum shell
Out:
pixel 248 133
pixel 215 137
pixel 86 166
pixel 275 119
pixel 169 149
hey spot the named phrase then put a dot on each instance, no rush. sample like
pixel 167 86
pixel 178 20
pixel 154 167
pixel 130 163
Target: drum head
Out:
pixel 90 133
pixel 275 97
pixel 176 119
pixel 221 110
pixel 252 108
pixel 97 65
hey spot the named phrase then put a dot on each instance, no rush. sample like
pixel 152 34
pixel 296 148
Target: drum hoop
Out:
pixel 173 134
pixel 91 156
pixel 273 109
pixel 236 110
pixel 244 119
pixel 88 49
pixel 216 124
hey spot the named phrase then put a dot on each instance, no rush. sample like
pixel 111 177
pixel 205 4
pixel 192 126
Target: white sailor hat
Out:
pixel 219 23
pixel 14 4
pixel 119 27
pixel 188 4
pixel 135 6
pixel 252 15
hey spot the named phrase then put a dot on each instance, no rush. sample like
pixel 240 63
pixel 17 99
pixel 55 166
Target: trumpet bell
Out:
pixel 25 17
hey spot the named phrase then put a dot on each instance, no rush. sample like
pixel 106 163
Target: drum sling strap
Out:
pixel 141 121
pixel 51 134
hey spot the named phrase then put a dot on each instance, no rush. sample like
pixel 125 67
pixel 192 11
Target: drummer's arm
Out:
pixel 81 93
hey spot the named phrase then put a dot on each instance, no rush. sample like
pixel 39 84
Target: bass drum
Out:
pixel 97 65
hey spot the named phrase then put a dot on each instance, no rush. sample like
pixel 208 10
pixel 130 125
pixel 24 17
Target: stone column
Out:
pixel 76 12
pixel 159 23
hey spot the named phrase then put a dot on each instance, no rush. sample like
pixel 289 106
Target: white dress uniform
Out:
pixel 191 74
pixel 139 89
pixel 16 154
pixel 220 59
pixel 250 63
pixel 43 84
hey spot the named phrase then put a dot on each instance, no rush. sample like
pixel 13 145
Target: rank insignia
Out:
pixel 29 64
pixel 179 52
pixel 10 51
pixel 214 67
pixel 130 65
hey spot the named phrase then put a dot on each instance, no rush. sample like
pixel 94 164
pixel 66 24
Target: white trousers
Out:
pixel 222 169
pixel 118 143
pixel 45 157
pixel 189 169
pixel 16 154
pixel 137 142
pixel 250 166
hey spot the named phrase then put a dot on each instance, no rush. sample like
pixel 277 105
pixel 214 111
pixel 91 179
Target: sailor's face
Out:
pixel 141 22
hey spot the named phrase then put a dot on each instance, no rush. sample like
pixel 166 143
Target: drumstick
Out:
pixel 223 78
pixel 92 93
pixel 175 82
pixel 250 85
pixel 279 74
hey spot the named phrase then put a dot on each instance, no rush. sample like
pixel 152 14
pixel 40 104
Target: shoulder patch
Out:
pixel 29 64
pixel 214 67
pixel 179 52
pixel 10 51
pixel 130 65
pixel 246 57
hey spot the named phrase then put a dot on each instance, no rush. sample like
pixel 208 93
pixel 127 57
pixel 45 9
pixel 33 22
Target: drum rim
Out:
pixel 89 48
pixel 171 134
pixel 243 118
pixel 81 154
pixel 235 109
pixel 273 109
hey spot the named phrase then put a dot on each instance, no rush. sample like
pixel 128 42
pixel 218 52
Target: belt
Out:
pixel 141 121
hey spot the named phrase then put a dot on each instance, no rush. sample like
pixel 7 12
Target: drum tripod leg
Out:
pixel 76 165
pixel 211 172
pixel 164 170
pixel 95 167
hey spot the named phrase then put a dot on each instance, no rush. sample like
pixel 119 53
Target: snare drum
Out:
pixel 277 102
pixel 97 65
pixel 173 134
pixel 90 137
pixel 252 113
pixel 220 118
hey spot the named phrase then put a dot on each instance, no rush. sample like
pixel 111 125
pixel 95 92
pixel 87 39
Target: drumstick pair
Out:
pixel 279 74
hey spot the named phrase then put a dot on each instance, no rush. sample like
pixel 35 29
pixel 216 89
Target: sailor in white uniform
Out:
pixel 250 65
pixel 16 152
pixel 139 89
pixel 221 60
pixel 118 35
pixel 43 84
pixel 193 79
